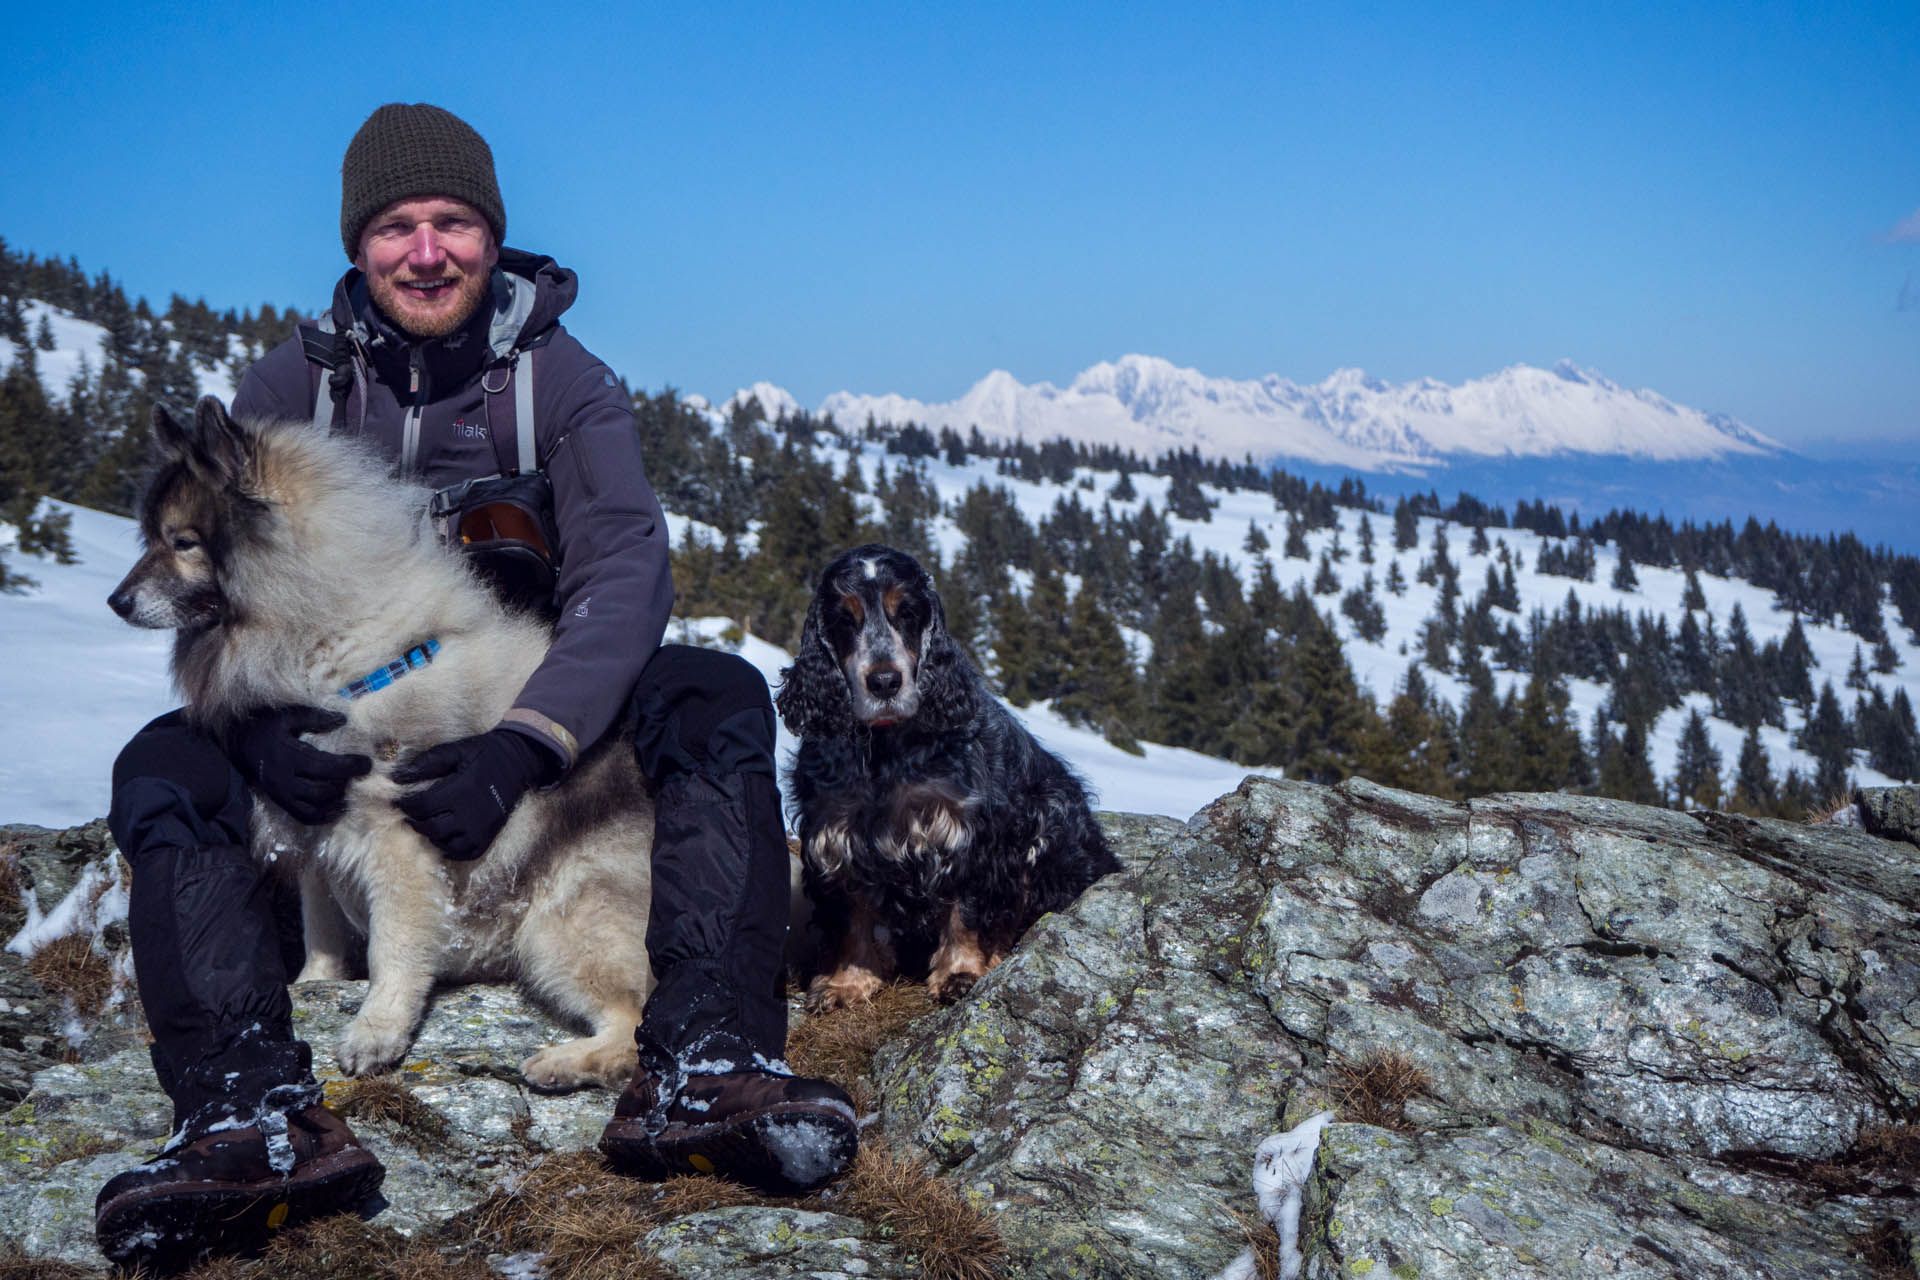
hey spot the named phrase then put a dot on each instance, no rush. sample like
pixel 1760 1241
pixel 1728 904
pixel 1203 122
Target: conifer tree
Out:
pixel 1325 581
pixel 1486 747
pixel 1797 798
pixel 1336 719
pixel 1857 671
pixel 1696 770
pixel 1256 540
pixel 1827 739
pixel 1296 543
pixel 1406 527
pixel 1625 773
pixel 1477 544
pixel 1693 597
pixel 1364 611
pixel 43 334
pixel 1547 752
pixel 1099 689
pixel 1886 659
pixel 1743 696
pixel 1123 490
pixel 1395 583
pixel 1794 676
pixel 1624 578
pixel 1416 746
pixel 1753 786
pixel 1365 535
pixel 1181 705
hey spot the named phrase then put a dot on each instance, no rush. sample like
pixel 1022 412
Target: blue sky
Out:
pixel 1721 204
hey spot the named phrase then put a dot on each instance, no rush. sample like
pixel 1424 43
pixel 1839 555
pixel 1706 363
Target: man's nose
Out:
pixel 425 249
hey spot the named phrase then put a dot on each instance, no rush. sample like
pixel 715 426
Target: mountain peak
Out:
pixel 1149 404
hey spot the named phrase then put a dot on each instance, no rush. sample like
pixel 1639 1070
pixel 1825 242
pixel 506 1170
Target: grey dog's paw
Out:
pixel 366 1048
pixel 604 1060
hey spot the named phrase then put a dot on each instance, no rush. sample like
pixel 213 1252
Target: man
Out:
pixel 433 322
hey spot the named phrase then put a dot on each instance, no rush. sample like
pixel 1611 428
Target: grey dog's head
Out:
pixel 197 504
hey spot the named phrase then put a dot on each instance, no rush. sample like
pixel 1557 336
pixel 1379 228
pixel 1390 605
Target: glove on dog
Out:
pixel 310 784
pixel 480 780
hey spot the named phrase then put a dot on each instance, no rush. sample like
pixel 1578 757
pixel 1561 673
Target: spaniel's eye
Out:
pixel 184 542
pixel 854 608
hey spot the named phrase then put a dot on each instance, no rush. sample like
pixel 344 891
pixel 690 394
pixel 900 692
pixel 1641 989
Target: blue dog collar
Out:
pixel 413 659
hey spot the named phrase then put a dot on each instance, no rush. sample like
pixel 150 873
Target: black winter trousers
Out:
pixel 214 943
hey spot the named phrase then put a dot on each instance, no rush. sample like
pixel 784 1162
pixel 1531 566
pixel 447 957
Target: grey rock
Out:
pixel 1891 812
pixel 759 1243
pixel 1655 1043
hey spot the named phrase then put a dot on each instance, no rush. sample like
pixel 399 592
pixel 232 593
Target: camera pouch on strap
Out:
pixel 505 527
pixel 505 523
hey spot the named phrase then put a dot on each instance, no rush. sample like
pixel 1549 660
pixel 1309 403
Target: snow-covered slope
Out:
pixel 78 681
pixel 1150 405
pixel 78 342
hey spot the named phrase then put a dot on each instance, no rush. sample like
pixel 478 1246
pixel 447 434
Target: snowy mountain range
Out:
pixel 1150 405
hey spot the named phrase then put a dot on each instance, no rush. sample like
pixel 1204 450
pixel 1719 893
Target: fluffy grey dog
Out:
pixel 290 563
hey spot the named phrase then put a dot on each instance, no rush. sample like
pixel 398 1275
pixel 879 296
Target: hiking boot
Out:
pixel 222 1192
pixel 784 1135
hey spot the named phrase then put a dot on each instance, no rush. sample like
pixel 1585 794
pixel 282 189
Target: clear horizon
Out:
pixel 1718 205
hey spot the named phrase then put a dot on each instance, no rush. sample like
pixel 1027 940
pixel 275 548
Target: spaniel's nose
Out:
pixel 883 682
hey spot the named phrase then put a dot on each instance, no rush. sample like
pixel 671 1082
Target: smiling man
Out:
pixel 429 354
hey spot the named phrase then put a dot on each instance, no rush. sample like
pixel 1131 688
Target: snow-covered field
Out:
pixel 77 682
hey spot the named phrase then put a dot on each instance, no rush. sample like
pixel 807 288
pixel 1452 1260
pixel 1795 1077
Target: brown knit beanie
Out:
pixel 406 150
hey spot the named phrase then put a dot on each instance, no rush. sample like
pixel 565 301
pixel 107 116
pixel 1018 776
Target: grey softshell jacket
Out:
pixel 615 591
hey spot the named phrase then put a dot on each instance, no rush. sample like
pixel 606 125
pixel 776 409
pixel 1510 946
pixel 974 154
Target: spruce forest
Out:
pixel 1101 605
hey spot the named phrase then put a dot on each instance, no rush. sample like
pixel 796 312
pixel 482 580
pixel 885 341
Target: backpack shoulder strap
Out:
pixel 317 342
pixel 518 372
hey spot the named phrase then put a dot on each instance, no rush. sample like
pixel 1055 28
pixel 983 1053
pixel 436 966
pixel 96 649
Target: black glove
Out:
pixel 310 784
pixel 480 780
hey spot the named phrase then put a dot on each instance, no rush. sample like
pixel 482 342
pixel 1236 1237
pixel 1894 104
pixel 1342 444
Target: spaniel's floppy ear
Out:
pixel 813 697
pixel 949 689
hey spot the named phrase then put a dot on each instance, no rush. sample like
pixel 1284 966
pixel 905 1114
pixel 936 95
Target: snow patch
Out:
pixel 1281 1165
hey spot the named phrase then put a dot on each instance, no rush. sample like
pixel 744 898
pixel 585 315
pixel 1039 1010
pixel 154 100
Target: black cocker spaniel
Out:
pixel 933 828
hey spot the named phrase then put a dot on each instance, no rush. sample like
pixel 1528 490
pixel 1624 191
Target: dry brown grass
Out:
pixel 1261 1240
pixel 1375 1089
pixel 16 1265
pixel 1888 1250
pixel 928 1216
pixel 9 875
pixel 839 1046
pixel 345 1247
pixel 587 1219
pixel 386 1099
pixel 1893 1148
pixel 69 966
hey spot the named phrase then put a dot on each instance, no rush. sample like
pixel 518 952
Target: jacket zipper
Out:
pixel 410 437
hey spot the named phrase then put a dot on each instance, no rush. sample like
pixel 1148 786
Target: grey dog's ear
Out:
pixel 170 437
pixel 216 448
pixel 222 441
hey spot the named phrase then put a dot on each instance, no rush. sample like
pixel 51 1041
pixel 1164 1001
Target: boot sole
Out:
pixel 168 1227
pixel 782 1151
